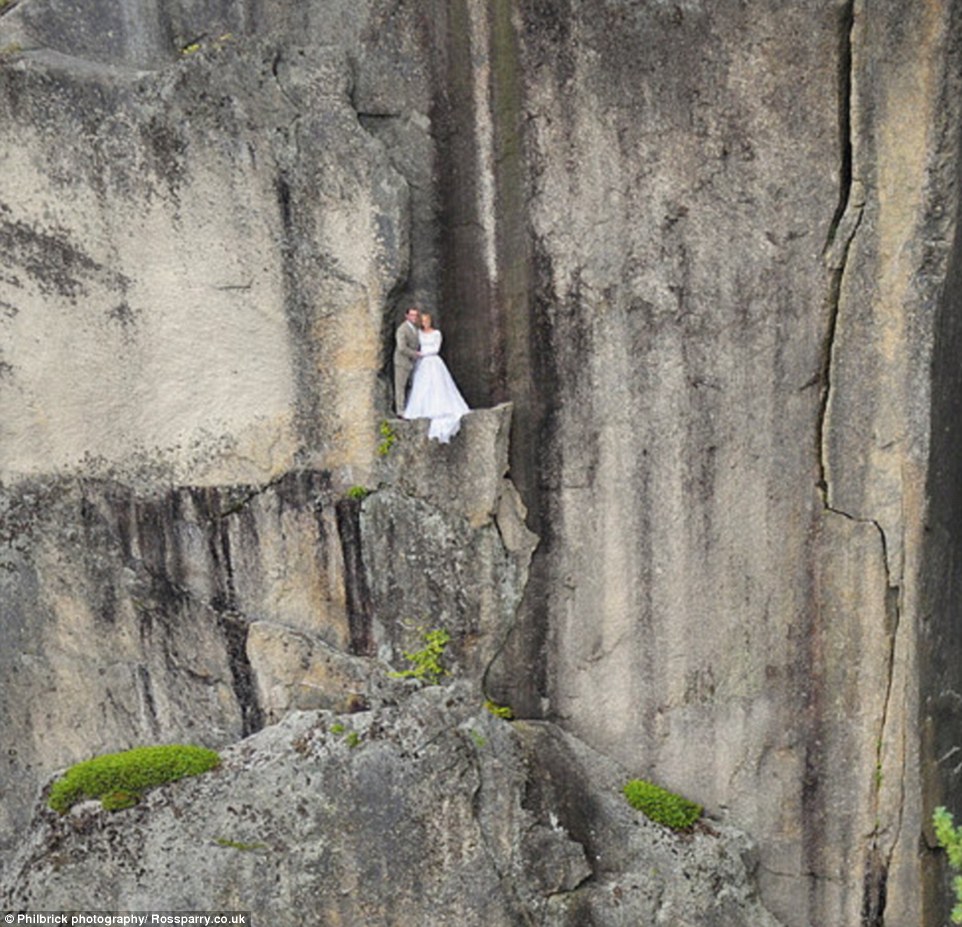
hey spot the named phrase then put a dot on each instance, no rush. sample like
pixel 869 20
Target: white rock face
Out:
pixel 182 281
pixel 738 225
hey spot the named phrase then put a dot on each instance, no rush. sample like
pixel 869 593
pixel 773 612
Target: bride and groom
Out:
pixel 433 394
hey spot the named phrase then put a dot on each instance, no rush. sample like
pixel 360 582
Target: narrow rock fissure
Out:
pixel 360 604
pixel 877 864
pixel 147 694
pixel 893 609
pixel 845 223
pixel 241 497
pixel 874 891
pixel 842 231
pixel 232 625
pixel 845 82
pixel 235 630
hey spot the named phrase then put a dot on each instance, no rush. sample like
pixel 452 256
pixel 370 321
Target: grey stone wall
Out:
pixel 739 223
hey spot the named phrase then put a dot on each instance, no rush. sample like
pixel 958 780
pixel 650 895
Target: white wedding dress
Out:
pixel 434 394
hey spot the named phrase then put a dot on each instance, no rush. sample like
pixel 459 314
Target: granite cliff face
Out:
pixel 426 811
pixel 709 253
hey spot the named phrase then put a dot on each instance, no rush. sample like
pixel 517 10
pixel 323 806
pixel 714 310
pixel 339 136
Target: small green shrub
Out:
pixel 119 779
pixel 388 438
pixel 238 845
pixel 950 839
pixel 499 711
pixel 358 492
pixel 351 738
pixel 427 662
pixel 479 739
pixel 660 805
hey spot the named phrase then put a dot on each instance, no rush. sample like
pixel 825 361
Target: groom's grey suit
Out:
pixel 406 347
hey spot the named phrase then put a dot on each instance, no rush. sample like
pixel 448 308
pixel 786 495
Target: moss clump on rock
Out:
pixel 662 806
pixel 119 779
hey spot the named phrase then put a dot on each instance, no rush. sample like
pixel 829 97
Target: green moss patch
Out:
pixel 662 806
pixel 119 779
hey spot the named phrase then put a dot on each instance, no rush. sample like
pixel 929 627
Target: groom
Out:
pixel 406 352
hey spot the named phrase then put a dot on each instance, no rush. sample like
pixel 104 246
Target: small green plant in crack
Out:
pixel 479 739
pixel 358 492
pixel 499 711
pixel 949 838
pixel 426 663
pixel 203 41
pixel 351 738
pixel 662 806
pixel 239 845
pixel 388 439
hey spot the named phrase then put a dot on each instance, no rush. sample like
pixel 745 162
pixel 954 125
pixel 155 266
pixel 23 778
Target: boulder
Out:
pixel 432 810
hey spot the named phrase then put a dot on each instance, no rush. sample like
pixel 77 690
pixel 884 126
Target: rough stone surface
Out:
pixel 124 622
pixel 738 225
pixel 430 811
pixel 444 543
pixel 202 613
pixel 682 189
pixel 181 285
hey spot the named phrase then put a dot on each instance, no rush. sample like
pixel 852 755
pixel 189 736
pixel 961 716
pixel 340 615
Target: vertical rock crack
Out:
pixel 841 234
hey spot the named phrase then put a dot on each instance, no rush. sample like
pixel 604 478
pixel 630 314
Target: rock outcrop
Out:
pixel 429 811
pixel 196 287
pixel 204 613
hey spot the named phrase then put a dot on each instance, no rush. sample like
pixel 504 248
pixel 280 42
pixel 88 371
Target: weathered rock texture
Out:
pixel 739 227
pixel 197 284
pixel 428 812
pixel 707 249
pixel 205 613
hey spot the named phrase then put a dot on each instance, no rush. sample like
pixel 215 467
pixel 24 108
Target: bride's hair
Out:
pixel 426 320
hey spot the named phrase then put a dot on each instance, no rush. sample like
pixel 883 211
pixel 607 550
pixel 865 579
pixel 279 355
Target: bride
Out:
pixel 434 394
